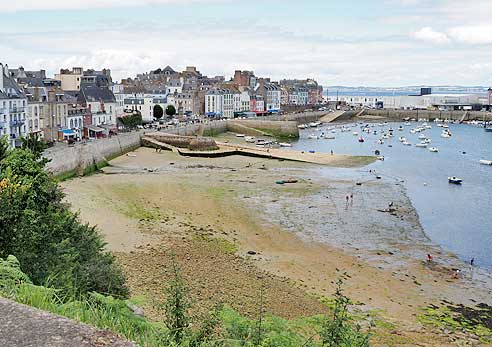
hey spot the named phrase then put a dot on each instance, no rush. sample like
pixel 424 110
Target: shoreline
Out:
pixel 231 199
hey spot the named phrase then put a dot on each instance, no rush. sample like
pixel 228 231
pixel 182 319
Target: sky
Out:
pixel 353 42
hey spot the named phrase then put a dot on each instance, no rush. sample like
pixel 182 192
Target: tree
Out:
pixel 170 110
pixel 131 121
pixel 49 240
pixel 176 306
pixel 4 147
pixel 33 143
pixel 158 112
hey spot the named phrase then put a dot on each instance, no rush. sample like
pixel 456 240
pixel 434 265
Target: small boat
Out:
pixel 355 133
pixel 421 145
pixel 400 128
pixel 488 129
pixel 381 142
pixel 445 135
pixel 329 137
pixel 361 139
pixel 427 141
pixel 422 137
pixel 314 124
pixel 380 158
pixel 486 162
pixel 302 126
pixel 377 152
pixel 284 144
pixel 402 139
pixel 455 180
pixel 240 135
pixel 313 137
pixel 249 139
pixel 406 143
pixel 434 149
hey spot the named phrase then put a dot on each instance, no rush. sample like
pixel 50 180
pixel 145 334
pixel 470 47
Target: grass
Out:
pixel 216 243
pixel 459 318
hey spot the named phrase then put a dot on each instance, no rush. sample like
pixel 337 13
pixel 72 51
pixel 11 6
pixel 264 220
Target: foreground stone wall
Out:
pixel 81 158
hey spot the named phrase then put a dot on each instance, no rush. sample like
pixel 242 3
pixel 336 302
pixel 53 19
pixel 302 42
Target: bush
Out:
pixel 47 238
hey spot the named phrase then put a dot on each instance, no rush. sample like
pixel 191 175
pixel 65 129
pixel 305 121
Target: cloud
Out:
pixel 47 5
pixel 428 34
pixel 472 34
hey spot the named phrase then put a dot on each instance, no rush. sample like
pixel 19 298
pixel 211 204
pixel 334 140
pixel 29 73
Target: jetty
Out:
pixel 178 144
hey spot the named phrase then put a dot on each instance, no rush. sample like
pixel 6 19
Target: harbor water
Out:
pixel 457 217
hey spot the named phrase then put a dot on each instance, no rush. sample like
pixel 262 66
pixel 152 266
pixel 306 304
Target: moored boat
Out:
pixel 486 162
pixel 434 149
pixel 455 180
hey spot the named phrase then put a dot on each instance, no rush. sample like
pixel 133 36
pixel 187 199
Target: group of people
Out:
pixel 349 200
pixel 457 272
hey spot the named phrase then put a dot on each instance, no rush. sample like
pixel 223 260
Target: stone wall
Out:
pixel 272 127
pixel 429 115
pixel 81 158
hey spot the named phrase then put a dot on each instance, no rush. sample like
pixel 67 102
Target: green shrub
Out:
pixel 48 239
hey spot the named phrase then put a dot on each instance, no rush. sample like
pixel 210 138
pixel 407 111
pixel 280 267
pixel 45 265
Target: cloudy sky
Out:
pixel 351 42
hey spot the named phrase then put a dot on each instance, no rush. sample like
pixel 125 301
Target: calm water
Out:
pixel 459 218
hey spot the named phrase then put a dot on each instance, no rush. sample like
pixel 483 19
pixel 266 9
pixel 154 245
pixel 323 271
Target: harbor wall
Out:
pixel 430 115
pixel 276 128
pixel 82 158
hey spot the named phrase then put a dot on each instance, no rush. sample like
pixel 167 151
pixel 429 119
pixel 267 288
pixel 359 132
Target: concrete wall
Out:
pixel 276 128
pixel 79 158
pixel 430 115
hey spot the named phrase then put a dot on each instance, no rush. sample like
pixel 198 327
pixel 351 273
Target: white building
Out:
pixel 13 105
pixel 410 102
pixel 144 103
pixel 245 101
pixel 214 103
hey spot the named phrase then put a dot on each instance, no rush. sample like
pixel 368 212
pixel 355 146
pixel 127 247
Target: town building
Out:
pixel 13 103
pixel 271 94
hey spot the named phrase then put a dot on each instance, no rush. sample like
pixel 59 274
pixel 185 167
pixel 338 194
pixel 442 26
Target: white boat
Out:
pixel 314 124
pixel 355 133
pixel 422 137
pixel 249 139
pixel 402 139
pixel 421 145
pixel 284 144
pixel 445 135
pixel 408 124
pixel 302 126
pixel 313 137
pixel 381 142
pixel 434 149
pixel 486 162
pixel 240 135
pixel 427 141
pixel 455 180
pixel 406 143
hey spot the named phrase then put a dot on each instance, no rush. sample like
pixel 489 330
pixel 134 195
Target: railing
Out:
pixel 17 122
pixel 18 109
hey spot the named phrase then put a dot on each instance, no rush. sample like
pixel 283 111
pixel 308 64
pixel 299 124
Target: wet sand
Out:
pixel 300 234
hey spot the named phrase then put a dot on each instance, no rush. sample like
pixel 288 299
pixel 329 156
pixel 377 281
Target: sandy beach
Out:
pixel 233 230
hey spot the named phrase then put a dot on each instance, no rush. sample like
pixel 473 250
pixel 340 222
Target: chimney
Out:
pixel 51 96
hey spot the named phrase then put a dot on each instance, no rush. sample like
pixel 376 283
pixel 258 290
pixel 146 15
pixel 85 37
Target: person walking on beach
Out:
pixel 472 264
pixel 351 199
pixel 346 202
pixel 332 152
pixel 429 258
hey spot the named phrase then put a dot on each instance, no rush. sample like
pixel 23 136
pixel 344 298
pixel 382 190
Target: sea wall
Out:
pixel 85 157
pixel 430 115
pixel 271 127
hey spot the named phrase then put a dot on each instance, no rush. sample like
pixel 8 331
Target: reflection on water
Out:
pixel 459 218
